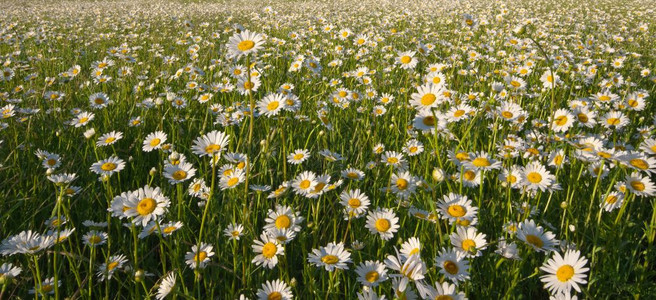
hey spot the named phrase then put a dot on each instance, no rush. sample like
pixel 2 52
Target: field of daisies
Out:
pixel 356 149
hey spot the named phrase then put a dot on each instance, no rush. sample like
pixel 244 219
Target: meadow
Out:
pixel 348 149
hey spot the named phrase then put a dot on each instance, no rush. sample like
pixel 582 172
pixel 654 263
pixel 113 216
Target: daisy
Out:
pixel 146 204
pixel 392 158
pixel 536 237
pixel 481 161
pixel 468 241
pixel 94 238
pixel 411 269
pixel 154 141
pixel 445 291
pixel 549 79
pixel 276 289
pixel 640 185
pixel 298 156
pixel 82 119
pixel 427 96
pixel 114 263
pixel 304 182
pixel 355 202
pixel 564 272
pixel 166 285
pixel 109 138
pixel 454 207
pixel 403 184
pixel 8 271
pixel 406 60
pixel 614 120
pixel 383 222
pixel 640 162
pixel 612 201
pixel 562 120
pixel 234 231
pixel 283 217
pixel 353 174
pixel 458 113
pixel 47 287
pixel 271 104
pixel 649 146
pixel 413 147
pixel 411 247
pixel 179 173
pixel 211 144
pixel 231 180
pixel 332 257
pixel 453 265
pixel 535 176
pixel 244 43
pixel 199 256
pixel 267 250
pixel 107 167
pixel 371 273
pixel 99 100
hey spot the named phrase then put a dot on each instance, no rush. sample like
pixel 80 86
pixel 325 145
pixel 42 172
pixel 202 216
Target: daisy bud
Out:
pixel 89 133
pixel 159 101
pixel 563 205
pixel 321 133
pixel 152 171
pixel 49 171
pixel 5 280
pixel 438 174
pixel 263 143
pixel 58 133
pixel 174 156
pixel 293 282
pixel 139 275
pixel 572 228
pixel 391 126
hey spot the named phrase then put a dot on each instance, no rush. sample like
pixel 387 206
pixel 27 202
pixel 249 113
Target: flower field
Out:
pixel 347 149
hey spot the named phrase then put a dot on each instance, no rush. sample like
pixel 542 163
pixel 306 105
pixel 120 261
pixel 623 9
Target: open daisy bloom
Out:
pixel 244 43
pixel 565 272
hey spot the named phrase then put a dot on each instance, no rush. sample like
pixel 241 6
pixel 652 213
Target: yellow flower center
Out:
pixel 565 273
pixel 401 184
pixel 611 199
pixel 456 210
pixel 534 240
pixel 481 162
pixel 638 185
pixel 534 177
pixel 245 45
pixel 371 276
pixel 507 114
pixel 233 181
pixel 269 250
pixel 451 267
pixel 146 206
pixel 429 121
pixel 468 244
pixel 383 225
pixel 108 166
pixel 274 296
pixel 154 142
pixel 179 175
pixel 354 202
pixel 283 222
pixel 169 229
pixel 613 121
pixel 201 256
pixel 112 265
pixel 304 184
pixel 428 99
pixel 469 175
pixel 273 105
pixel 561 120
pixel 639 163
pixel 330 259
pixel 212 148
pixel 94 239
pixel 406 59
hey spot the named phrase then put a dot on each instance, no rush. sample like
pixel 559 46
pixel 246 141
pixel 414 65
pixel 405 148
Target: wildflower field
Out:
pixel 355 149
